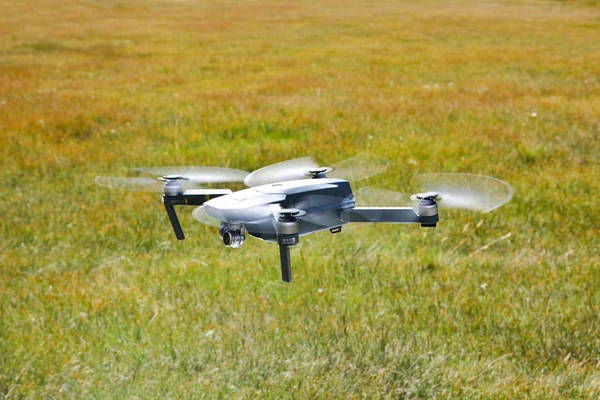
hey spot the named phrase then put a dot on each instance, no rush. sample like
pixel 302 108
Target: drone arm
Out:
pixel 400 215
pixel 188 198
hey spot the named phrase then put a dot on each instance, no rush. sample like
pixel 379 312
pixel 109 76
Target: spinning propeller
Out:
pixel 193 177
pixel 355 168
pixel 451 190
pixel 467 191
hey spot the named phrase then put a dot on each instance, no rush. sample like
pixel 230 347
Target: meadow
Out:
pixel 99 300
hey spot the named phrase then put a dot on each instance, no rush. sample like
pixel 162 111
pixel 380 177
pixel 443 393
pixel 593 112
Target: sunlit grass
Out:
pixel 98 299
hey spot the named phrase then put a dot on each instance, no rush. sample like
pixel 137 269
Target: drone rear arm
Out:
pixel 188 198
pixel 401 215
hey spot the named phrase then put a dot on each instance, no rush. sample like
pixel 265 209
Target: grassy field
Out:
pixel 98 299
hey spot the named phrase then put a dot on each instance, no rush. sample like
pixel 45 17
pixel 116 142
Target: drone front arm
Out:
pixel 399 215
pixel 188 198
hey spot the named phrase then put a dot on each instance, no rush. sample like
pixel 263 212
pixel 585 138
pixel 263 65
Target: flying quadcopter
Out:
pixel 297 197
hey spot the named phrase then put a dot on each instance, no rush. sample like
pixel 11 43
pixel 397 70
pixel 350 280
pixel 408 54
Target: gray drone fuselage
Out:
pixel 282 212
pixel 321 201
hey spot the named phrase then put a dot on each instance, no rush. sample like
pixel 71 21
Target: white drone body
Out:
pixel 318 204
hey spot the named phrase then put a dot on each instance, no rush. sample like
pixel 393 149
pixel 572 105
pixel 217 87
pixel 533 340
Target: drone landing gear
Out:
pixel 287 235
pixel 286 263
pixel 174 195
pixel 174 220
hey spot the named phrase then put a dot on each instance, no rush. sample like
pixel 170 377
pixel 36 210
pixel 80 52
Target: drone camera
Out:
pixel 233 239
pixel 232 236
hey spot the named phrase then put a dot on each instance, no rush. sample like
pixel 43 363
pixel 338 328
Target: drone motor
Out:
pixel 320 172
pixel 426 206
pixel 173 185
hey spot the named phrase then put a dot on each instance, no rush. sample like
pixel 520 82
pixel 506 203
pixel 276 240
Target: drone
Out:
pixel 294 198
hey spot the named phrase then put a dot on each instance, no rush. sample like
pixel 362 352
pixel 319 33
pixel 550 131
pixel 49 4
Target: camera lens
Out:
pixel 227 239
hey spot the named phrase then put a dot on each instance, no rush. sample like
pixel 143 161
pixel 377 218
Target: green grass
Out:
pixel 98 299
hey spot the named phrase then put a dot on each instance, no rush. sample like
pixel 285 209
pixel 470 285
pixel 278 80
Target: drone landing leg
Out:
pixel 174 221
pixel 287 235
pixel 286 263
pixel 174 197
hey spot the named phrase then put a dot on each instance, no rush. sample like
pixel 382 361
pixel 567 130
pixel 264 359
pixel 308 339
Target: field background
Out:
pixel 98 299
